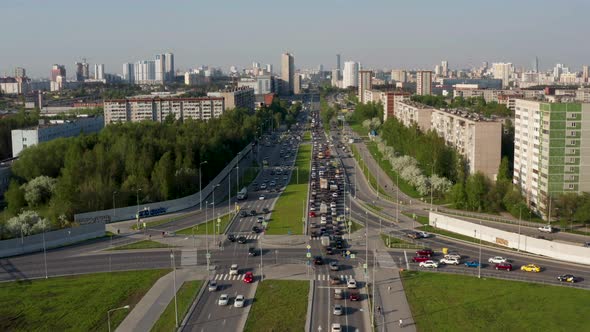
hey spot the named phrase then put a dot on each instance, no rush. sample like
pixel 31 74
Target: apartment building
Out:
pixel 365 83
pixel 387 98
pixel 551 150
pixel 409 112
pixel 148 108
pixel 236 98
pixel 424 82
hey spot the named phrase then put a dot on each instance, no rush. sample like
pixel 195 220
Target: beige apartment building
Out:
pixel 236 98
pixel 409 112
pixel 146 108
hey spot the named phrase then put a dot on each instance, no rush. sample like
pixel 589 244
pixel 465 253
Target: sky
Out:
pixel 413 34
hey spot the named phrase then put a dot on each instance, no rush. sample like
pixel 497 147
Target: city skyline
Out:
pixel 459 36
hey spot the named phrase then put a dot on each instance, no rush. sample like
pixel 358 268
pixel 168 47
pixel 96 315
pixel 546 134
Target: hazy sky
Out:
pixel 380 34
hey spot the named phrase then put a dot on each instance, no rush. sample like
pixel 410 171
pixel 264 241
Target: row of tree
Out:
pixel 127 162
pixel 474 104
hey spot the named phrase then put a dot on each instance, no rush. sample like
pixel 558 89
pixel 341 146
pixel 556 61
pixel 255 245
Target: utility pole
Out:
pixel 200 187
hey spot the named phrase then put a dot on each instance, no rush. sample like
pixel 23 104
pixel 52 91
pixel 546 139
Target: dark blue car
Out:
pixel 472 264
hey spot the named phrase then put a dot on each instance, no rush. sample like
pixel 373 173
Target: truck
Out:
pixel 323 208
pixel 243 194
pixel 547 229
pixel 323 183
pixel 325 240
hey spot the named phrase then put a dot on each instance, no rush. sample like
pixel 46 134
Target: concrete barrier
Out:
pixel 562 251
pixel 244 158
pixel 53 239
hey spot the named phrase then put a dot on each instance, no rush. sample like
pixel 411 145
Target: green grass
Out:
pixel 368 175
pixel 444 302
pixel 421 219
pixel 289 208
pixel 359 129
pixel 279 305
pixel 397 243
pixel 354 227
pixel 207 228
pixel 404 186
pixel 374 207
pixel 76 303
pixel 307 136
pixel 186 294
pixel 144 244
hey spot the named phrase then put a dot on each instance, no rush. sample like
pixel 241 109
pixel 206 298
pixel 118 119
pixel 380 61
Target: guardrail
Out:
pixel 490 218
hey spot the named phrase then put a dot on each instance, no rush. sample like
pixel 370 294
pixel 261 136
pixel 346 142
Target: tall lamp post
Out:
pixel 137 196
pixel 173 261
pixel 109 314
pixel 114 206
pixel 213 204
pixel 200 187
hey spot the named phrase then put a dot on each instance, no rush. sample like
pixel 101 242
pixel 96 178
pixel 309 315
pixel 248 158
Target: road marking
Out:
pixel 217 277
pixel 209 316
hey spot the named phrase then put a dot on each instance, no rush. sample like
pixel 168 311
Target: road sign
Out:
pixel 208 255
pixel 348 252
pixel 308 247
pixel 219 220
pixel 352 256
pixel 308 255
pixel 350 223
pixel 365 266
pixel 144 225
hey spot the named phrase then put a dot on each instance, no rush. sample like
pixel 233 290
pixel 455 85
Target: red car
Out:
pixel 248 278
pixel 311 213
pixel 425 252
pixel 354 296
pixel 419 259
pixel 504 266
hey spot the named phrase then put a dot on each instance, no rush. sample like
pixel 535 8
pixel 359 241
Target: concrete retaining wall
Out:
pixel 53 239
pixel 159 208
pixel 557 250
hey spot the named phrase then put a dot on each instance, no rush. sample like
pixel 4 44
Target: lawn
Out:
pixel 404 186
pixel 368 175
pixel 77 303
pixel 144 244
pixel 397 243
pixel 290 207
pixel 279 305
pixel 204 228
pixel 445 302
pixel 186 294
pixel 421 219
pixel 354 227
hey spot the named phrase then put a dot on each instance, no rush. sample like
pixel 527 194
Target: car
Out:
pixel 261 197
pixel 252 251
pixel 429 263
pixel 334 280
pixel 425 252
pixel 504 266
pixel 335 195
pixel 497 260
pixel 420 259
pixel 255 229
pixel 223 299
pixel 311 207
pixel 453 255
pixel 231 237
pixel 233 269
pixel 449 260
pixel 243 214
pixel 333 205
pixel 333 266
pixel 530 268
pixel 312 214
pixel 329 251
pixel 242 239
pixel 414 235
pixel 354 296
pixel 351 283
pixel 424 234
pixel 336 327
pixel 337 310
pixel 212 285
pixel 239 301
pixel 567 278
pixel 263 186
pixel 546 229
pixel 474 263
pixel 252 212
pixel 317 260
pixel 339 244
pixel 248 277
pixel 265 210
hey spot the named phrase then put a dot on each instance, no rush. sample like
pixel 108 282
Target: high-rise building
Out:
pixel 85 70
pixel 335 78
pixel 160 64
pixel 169 67
pixel 255 64
pixel 79 71
pixel 536 65
pixel 445 68
pixel 437 70
pixel 297 84
pixel 145 72
pixel 338 62
pixel 503 71
pixel 269 68
pixel 20 72
pixel 287 73
pixel 350 76
pixel 99 71
pixel 399 75
pixel 365 83
pixel 585 73
pixel 551 150
pixel 129 72
pixel 424 82
pixel 57 70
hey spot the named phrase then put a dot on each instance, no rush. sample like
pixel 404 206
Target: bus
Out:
pixel 243 194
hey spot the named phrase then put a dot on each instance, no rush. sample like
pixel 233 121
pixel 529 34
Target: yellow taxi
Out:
pixel 531 268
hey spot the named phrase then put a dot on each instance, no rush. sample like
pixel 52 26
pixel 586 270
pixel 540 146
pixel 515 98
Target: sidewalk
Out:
pixel 147 311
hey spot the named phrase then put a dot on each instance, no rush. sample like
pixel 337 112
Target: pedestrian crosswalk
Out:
pixel 227 276
pixel 326 277
pixel 252 236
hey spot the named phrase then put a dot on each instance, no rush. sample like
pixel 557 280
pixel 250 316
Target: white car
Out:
pixel 335 195
pixel 223 299
pixel 449 260
pixel 233 269
pixel 333 205
pixel 424 234
pixel 497 260
pixel 261 197
pixel 546 229
pixel 336 327
pixel 351 283
pixel 432 264
pixel 212 285
pixel 453 256
pixel 263 186
pixel 239 301
pixel 337 310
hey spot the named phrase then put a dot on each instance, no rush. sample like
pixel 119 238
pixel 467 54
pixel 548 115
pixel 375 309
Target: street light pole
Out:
pixel 109 314
pixel 200 187
pixel 137 190
pixel 114 207
pixel 479 266
pixel 367 243
pixel 173 261
pixel 397 199
pixel 45 252
pixel 207 235
pixel 213 218
pixel 519 221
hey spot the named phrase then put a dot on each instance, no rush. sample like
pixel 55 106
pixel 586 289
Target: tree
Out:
pixel 39 190
pixel 26 223
pixel 15 197
pixel 476 189
pixel 504 173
